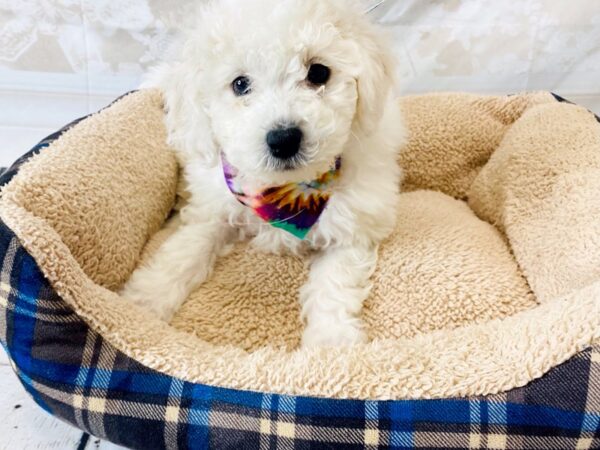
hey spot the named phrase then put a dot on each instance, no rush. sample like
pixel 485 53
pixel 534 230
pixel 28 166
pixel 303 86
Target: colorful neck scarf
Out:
pixel 293 207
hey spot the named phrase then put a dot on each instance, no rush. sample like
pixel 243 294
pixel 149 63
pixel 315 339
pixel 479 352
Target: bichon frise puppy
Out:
pixel 285 123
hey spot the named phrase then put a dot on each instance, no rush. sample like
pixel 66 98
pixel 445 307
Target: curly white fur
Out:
pixel 354 115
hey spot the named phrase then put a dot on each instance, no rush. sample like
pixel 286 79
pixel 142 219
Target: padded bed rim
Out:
pixel 475 360
pixel 27 267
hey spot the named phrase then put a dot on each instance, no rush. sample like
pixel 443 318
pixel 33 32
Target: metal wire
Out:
pixel 375 6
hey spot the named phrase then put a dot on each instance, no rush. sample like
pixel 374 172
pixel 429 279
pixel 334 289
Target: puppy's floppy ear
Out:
pixel 188 125
pixel 375 77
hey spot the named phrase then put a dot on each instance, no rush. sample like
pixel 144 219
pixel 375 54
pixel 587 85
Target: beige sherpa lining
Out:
pixel 451 313
pixel 251 305
pixel 103 221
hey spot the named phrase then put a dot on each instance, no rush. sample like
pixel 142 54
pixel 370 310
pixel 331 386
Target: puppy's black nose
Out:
pixel 284 143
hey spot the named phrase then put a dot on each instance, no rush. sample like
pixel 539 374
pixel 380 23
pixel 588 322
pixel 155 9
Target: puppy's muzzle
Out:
pixel 284 143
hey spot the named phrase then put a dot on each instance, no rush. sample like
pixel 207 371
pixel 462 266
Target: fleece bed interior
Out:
pixel 491 277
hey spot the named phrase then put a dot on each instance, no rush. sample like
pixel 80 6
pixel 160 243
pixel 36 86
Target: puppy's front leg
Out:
pixel 183 262
pixel 332 299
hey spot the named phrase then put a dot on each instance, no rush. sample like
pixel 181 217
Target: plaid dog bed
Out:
pixel 74 374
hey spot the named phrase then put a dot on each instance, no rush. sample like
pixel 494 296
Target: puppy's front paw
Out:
pixel 156 298
pixel 333 334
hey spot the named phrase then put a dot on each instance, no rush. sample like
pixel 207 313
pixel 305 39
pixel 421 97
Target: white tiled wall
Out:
pixel 61 60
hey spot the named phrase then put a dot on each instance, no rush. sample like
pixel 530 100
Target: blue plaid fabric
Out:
pixel 74 374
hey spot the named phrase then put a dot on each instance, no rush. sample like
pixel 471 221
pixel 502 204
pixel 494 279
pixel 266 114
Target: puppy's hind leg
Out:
pixel 183 262
pixel 332 299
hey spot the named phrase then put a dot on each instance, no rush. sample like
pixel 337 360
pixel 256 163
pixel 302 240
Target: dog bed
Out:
pixel 484 318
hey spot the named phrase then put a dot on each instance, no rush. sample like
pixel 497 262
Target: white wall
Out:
pixel 61 59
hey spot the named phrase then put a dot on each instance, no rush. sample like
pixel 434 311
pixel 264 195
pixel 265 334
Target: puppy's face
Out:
pixel 282 107
pixel 284 84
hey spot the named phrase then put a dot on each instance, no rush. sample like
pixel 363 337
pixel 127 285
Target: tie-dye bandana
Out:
pixel 293 207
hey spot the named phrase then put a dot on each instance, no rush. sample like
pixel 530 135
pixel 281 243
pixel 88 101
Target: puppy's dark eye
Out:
pixel 318 74
pixel 241 86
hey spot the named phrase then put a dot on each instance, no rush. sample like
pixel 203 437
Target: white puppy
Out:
pixel 291 101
